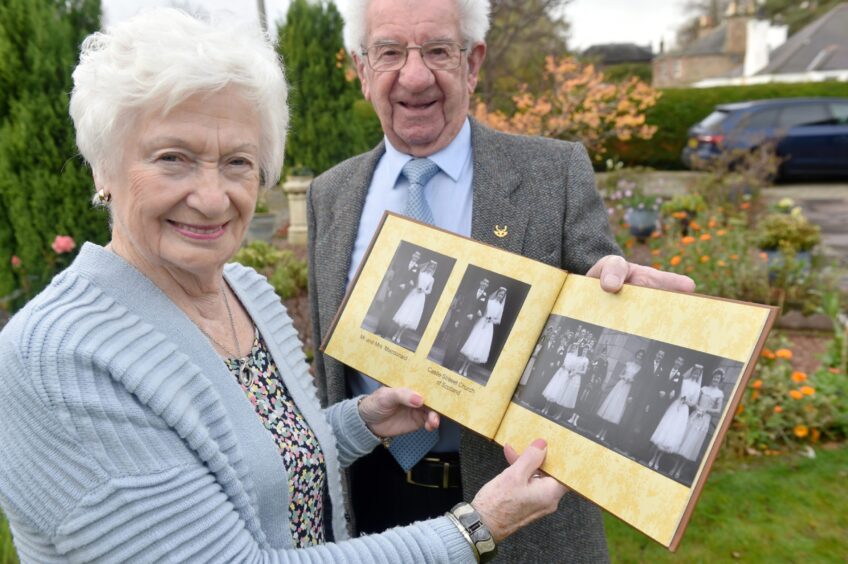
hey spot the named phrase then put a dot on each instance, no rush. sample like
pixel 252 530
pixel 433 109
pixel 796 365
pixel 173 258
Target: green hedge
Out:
pixel 680 108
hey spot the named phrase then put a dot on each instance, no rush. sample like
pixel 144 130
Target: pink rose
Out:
pixel 63 244
pixel 16 261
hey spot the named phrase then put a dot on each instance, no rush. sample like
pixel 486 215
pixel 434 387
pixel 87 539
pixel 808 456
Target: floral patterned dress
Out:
pixel 302 456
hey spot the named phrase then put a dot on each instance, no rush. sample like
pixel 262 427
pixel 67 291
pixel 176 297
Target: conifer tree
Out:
pixel 45 188
pixel 325 128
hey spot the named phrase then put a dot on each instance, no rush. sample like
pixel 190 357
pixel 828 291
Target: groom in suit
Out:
pixel 404 278
pixel 469 307
pixel 418 63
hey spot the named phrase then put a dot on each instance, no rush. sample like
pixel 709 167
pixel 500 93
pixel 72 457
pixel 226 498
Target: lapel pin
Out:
pixel 501 232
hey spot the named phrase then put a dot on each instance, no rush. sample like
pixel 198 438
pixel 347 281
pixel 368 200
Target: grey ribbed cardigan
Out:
pixel 124 437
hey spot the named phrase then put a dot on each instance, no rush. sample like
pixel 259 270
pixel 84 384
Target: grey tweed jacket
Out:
pixel 543 192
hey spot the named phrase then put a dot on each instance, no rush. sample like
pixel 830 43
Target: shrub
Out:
pixel 783 408
pixel 577 104
pixel 325 127
pixel 45 190
pixel 788 232
pixel 285 272
pixel 678 109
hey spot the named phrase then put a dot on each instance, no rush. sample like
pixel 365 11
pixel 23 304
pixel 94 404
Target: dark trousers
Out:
pixel 382 498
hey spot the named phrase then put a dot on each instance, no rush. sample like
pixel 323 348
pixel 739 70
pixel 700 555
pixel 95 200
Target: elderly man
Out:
pixel 418 62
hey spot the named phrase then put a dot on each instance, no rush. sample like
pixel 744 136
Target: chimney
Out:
pixel 738 15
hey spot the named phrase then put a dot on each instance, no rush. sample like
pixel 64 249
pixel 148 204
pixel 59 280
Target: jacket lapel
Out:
pixel 495 220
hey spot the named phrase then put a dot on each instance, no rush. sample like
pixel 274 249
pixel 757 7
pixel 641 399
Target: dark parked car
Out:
pixel 810 134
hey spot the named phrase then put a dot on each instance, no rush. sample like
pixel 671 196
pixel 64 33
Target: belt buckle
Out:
pixel 445 475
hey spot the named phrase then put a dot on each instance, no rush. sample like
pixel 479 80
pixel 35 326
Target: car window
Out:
pixel 840 113
pixel 803 114
pixel 761 119
pixel 712 120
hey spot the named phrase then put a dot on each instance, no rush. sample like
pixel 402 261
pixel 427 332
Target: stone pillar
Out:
pixel 295 188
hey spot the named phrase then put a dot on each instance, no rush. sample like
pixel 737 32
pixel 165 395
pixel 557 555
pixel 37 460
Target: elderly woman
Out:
pixel 155 404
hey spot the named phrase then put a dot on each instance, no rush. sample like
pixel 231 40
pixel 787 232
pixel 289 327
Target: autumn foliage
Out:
pixel 577 104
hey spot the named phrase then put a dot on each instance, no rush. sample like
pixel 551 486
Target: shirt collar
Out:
pixel 451 159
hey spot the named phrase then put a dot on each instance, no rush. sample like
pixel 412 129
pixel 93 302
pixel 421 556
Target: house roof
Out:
pixel 820 46
pixel 710 44
pixel 614 53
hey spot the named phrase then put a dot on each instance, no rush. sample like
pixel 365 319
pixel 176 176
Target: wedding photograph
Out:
pixel 477 325
pixel 409 291
pixel 655 403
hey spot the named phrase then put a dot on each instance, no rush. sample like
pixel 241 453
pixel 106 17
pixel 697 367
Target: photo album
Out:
pixel 633 391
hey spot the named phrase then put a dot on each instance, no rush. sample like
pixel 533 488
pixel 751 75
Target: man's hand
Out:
pixel 614 271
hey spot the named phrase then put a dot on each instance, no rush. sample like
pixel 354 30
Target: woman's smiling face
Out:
pixel 187 184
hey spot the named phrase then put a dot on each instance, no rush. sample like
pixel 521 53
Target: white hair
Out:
pixel 159 59
pixel 473 21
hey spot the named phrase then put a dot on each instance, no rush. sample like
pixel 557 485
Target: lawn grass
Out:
pixel 784 509
pixel 7 550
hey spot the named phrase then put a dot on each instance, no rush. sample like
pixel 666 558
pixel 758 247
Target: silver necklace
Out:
pixel 244 373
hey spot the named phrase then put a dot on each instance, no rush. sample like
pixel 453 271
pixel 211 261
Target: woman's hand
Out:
pixel 389 412
pixel 520 494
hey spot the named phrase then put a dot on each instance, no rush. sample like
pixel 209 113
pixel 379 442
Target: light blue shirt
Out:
pixel 449 195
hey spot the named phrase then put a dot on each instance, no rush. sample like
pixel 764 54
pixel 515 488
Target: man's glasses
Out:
pixel 437 55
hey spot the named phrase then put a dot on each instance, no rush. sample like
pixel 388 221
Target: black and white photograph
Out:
pixel 477 325
pixel 407 295
pixel 655 403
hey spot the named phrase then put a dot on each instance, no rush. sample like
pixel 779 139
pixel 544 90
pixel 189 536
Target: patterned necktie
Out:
pixel 419 172
pixel 410 448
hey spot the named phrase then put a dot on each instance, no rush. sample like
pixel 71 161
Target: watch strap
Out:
pixel 474 530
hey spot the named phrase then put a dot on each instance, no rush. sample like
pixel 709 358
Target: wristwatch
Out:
pixel 468 521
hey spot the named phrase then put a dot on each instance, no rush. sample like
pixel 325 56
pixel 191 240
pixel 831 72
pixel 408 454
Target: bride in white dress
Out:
pixel 555 389
pixel 613 405
pixel 710 402
pixel 479 342
pixel 408 315
pixel 670 430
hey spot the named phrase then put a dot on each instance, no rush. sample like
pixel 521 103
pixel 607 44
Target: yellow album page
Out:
pixel 647 499
pixel 512 307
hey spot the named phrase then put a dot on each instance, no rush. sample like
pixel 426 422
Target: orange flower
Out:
pixel 784 354
pixel 763 257
pixel 833 370
pixel 689 269
pixel 754 395
pixel 688 240
pixel 721 232
pixel 705 258
pixel 694 226
pixel 655 253
pixel 675 260
pixel 778 409
pixel 740 409
pixel 798 377
pixel 734 257
pixel 757 384
pixel 657 266
pixel 745 205
pixel 808 390
pixel 706 237
pixel 679 215
pixel 656 235
pixel 767 353
pixel 795 394
pixel 801 431
pixel 712 223
pixel 816 435
pixel 629 243
pixel 722 263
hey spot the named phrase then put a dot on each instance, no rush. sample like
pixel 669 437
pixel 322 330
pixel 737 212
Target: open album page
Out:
pixel 454 319
pixel 629 390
